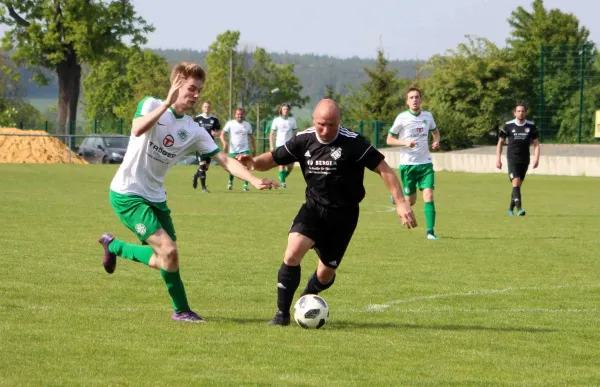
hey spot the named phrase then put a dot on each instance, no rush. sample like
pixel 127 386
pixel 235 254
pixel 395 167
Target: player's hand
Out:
pixel 263 184
pixel 499 164
pixel 247 160
pixel 411 144
pixel 536 163
pixel 174 90
pixel 435 145
pixel 405 212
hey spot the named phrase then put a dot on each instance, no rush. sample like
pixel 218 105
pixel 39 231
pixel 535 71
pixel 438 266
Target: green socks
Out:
pixel 130 251
pixel 176 290
pixel 430 215
pixel 142 254
pixel 231 181
pixel 282 176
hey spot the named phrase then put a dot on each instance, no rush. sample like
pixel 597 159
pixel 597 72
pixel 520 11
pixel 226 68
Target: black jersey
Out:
pixel 519 138
pixel 333 172
pixel 209 123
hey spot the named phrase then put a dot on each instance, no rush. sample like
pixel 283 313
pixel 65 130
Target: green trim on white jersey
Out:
pixel 140 105
pixel 151 155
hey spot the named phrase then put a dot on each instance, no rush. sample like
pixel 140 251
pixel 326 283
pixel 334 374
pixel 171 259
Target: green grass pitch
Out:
pixel 496 301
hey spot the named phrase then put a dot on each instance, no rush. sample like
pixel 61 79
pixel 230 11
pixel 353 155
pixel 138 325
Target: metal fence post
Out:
pixel 376 133
pixel 121 125
pixel 70 147
pixel 46 126
pixel 95 126
pixel 360 127
pixel 581 83
pixel 541 93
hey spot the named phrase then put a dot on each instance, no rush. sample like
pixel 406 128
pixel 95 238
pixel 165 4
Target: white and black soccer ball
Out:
pixel 311 311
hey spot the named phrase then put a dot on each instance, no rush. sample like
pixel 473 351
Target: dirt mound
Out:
pixel 34 149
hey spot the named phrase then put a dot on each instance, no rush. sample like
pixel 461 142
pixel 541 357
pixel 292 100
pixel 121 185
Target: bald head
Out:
pixel 326 118
pixel 327 109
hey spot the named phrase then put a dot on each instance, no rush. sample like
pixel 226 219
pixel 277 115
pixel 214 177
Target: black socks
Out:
pixel 288 279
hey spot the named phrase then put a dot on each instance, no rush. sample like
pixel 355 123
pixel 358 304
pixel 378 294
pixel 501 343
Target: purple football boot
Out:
pixel 110 260
pixel 188 316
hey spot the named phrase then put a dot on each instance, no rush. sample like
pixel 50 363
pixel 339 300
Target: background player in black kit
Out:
pixel 333 161
pixel 520 133
pixel 213 126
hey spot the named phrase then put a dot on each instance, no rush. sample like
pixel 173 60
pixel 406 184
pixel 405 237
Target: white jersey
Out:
pixel 284 128
pixel 151 155
pixel 408 126
pixel 238 135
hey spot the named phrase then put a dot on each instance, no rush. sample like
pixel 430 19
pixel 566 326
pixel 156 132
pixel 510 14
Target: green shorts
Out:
pixel 141 216
pixel 232 155
pixel 416 176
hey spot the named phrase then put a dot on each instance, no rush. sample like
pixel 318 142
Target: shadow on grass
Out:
pixel 241 321
pixel 390 325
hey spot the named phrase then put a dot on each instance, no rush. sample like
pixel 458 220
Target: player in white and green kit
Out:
pixel 411 131
pixel 283 129
pixel 161 134
pixel 240 138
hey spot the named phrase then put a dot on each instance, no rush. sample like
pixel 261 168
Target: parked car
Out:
pixel 104 149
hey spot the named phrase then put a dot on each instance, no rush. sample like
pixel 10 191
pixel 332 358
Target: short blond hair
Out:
pixel 188 70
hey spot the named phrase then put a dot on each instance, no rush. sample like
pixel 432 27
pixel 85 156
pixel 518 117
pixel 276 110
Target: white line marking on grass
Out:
pixel 481 292
pixel 466 310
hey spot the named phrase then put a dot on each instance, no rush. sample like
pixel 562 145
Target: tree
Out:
pixel 115 85
pixel 10 85
pixel 62 35
pixel 382 91
pixel 255 79
pixel 469 91
pixel 218 59
pixel 561 36
pixel 570 114
pixel 16 112
pixel 331 93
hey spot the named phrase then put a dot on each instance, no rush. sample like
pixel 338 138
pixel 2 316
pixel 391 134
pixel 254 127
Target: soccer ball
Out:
pixel 311 311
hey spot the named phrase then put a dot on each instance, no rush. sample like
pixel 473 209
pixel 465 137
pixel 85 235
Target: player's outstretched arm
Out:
pixel 263 162
pixel 403 208
pixel 238 170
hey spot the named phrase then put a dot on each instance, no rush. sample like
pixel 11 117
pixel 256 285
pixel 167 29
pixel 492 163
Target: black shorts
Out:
pixel 206 161
pixel 517 169
pixel 331 229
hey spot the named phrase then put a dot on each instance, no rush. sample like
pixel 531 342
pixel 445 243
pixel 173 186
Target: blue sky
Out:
pixel 416 29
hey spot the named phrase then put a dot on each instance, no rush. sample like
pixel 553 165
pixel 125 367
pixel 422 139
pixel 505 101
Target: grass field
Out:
pixel 496 301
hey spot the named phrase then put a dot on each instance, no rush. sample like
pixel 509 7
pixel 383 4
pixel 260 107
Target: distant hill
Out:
pixel 314 71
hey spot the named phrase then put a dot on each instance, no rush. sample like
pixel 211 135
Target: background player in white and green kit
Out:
pixel 411 131
pixel 283 129
pixel 240 138
pixel 161 134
